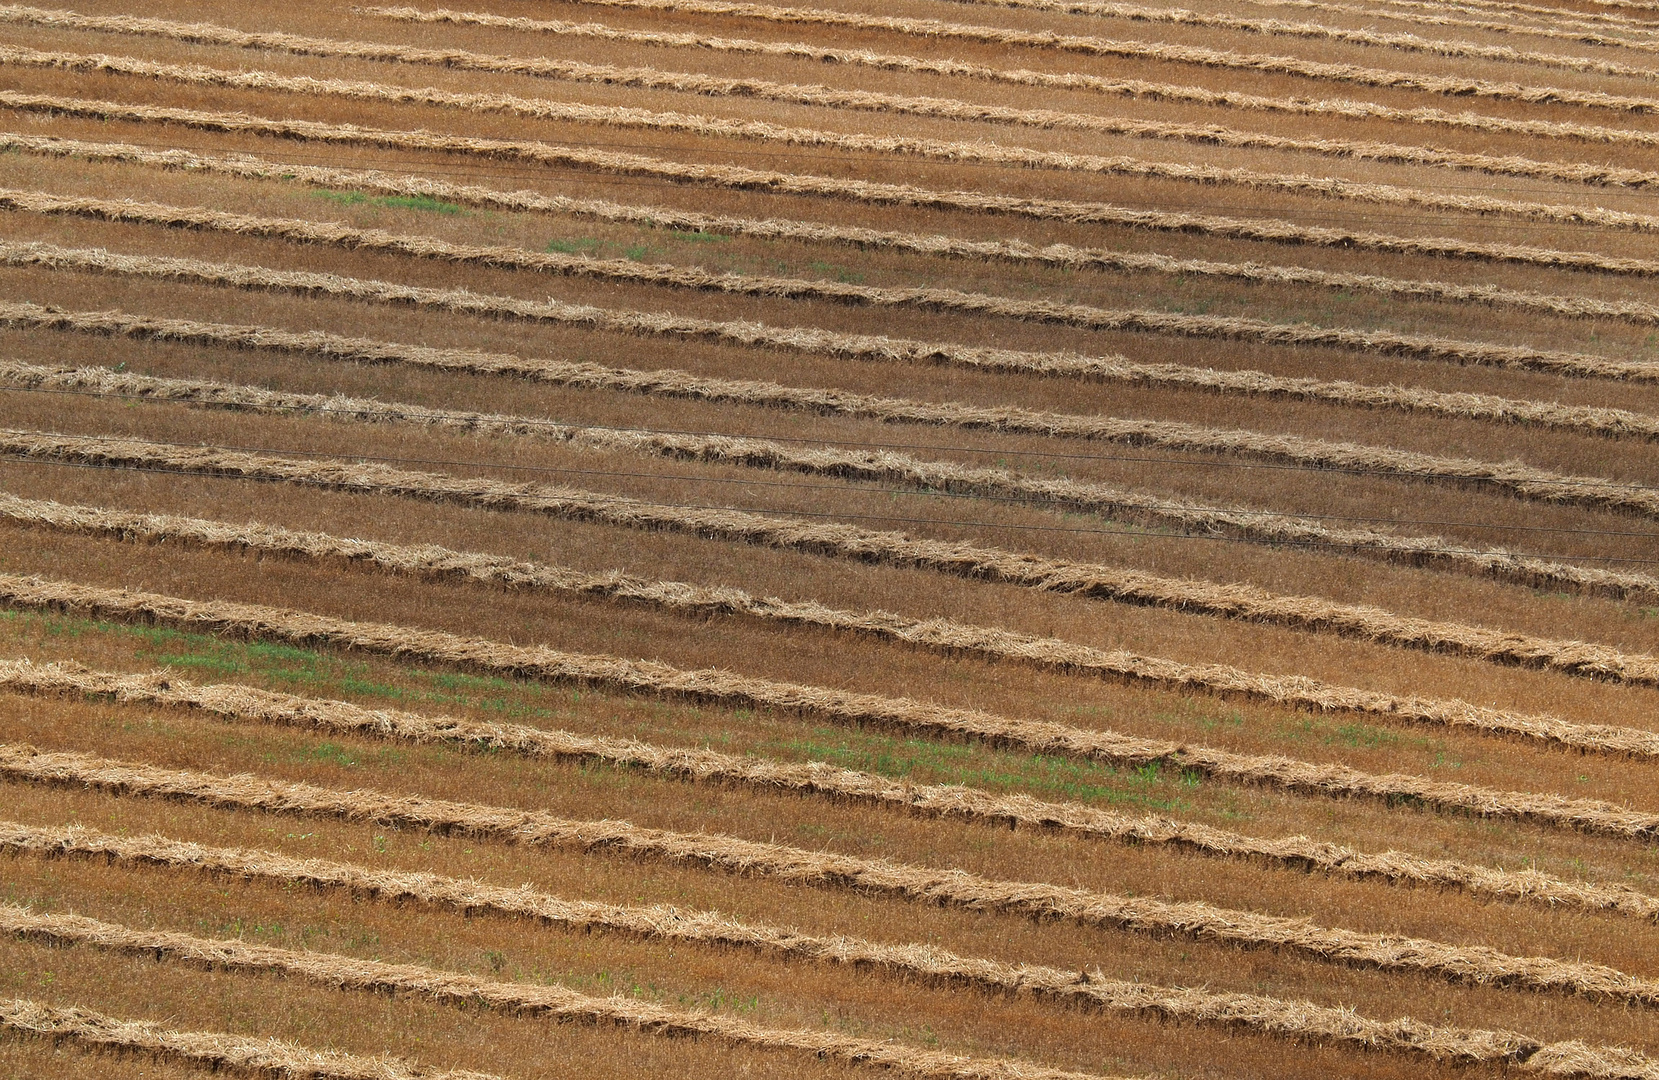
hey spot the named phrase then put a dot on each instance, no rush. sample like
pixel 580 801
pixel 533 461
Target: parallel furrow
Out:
pixel 744 178
pixel 815 95
pixel 956 152
pixel 245 704
pixel 1132 506
pixel 1476 964
pixel 1300 1020
pixel 215 1050
pixel 1068 256
pixel 728 689
pixel 553 1001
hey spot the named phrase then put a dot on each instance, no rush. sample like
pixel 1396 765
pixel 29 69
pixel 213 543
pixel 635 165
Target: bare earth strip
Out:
pixel 1299 1020
pixel 884 465
pixel 979 152
pixel 251 705
pixel 1633 42
pixel 216 1050
pixel 1181 54
pixel 815 95
pixel 1342 108
pixel 1592 420
pixel 1396 42
pixel 745 178
pixel 554 1002
pixel 246 166
pixel 866 347
pixel 1097 581
pixel 1581 31
pixel 726 688
pixel 1476 964
pixel 1515 479
pixel 945 635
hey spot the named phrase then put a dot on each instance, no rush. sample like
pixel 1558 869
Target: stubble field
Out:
pixel 955 538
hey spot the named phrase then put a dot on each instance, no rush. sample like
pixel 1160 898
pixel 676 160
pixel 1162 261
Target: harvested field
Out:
pixel 970 539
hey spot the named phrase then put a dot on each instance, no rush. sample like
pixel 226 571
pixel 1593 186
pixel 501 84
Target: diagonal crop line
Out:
pixel 214 1049
pixel 844 464
pixel 987 153
pixel 1348 109
pixel 732 690
pixel 1395 42
pixel 818 95
pixel 1591 420
pixel 1097 581
pixel 245 166
pixel 246 704
pixel 550 1001
pixel 743 178
pixel 1511 478
pixel 1199 56
pixel 1477 964
pixel 852 346
pixel 1494 562
pixel 1583 30
pixel 944 635
pixel 1275 1017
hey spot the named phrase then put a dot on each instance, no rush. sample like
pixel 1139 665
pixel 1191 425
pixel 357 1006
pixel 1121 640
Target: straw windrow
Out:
pixel 1274 1017
pixel 1347 109
pixel 957 152
pixel 1601 421
pixel 1199 56
pixel 244 704
pixel 744 178
pixel 1097 581
pixel 866 347
pixel 1130 506
pixel 1068 256
pixel 1394 42
pixel 1511 478
pixel 551 1001
pixel 797 94
pixel 215 1050
pixel 728 689
pixel 1475 964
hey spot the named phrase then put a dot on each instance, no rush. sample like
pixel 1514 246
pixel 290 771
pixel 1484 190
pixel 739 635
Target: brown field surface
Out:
pixel 976 539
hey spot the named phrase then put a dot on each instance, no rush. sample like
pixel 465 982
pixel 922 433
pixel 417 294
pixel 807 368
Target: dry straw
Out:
pixel 1510 478
pixel 1477 964
pixel 216 1050
pixel 1089 45
pixel 1124 505
pixel 853 464
pixel 551 1001
pixel 1274 1017
pixel 743 178
pixel 938 634
pixel 245 704
pixel 956 152
pixel 660 217
pixel 1584 36
pixel 1394 42
pixel 1531 13
pixel 1581 419
pixel 1581 31
pixel 1347 109
pixel 728 689
pixel 810 339
pixel 1095 581
pixel 816 95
